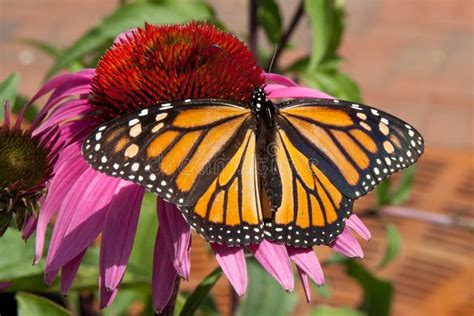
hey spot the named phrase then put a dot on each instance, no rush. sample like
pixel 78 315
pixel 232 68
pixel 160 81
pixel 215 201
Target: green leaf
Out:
pixel 8 90
pixel 18 262
pixel 30 113
pixel 378 293
pixel 200 293
pixel 323 290
pixel 269 18
pixel 29 304
pixel 383 195
pixel 125 18
pixel 140 259
pixel 264 296
pixel 333 82
pixel 387 195
pixel 335 311
pixel 403 191
pixel 326 18
pixel 125 300
pixel 394 243
pixel 41 46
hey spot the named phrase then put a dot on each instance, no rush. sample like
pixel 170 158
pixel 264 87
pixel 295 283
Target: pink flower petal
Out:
pixel 306 259
pixel 123 37
pixel 232 262
pixel 164 274
pixel 58 190
pixel 347 245
pixel 297 92
pixel 178 235
pixel 106 296
pixel 73 109
pixel 5 285
pixel 52 84
pixel 274 259
pixel 305 284
pixel 29 228
pixel 279 79
pixel 69 271
pixel 81 217
pixel 119 232
pixel 6 114
pixel 359 227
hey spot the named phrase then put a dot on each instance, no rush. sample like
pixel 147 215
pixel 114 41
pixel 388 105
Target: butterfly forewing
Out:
pixel 355 146
pixel 173 149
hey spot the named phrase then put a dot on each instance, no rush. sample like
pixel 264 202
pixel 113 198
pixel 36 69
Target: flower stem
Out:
pixel 287 34
pixel 428 217
pixel 169 309
pixel 253 27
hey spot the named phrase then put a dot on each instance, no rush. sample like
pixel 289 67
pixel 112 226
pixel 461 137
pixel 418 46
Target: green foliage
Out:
pixel 265 297
pixel 378 293
pixel 29 304
pixel 335 311
pixel 388 195
pixel 125 18
pixel 394 243
pixel 269 18
pixel 327 24
pixel 18 262
pixel 323 290
pixel 200 293
pixel 8 91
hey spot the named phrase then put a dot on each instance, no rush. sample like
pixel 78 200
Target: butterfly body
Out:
pixel 241 172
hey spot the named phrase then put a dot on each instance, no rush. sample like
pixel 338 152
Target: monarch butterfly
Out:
pixel 241 172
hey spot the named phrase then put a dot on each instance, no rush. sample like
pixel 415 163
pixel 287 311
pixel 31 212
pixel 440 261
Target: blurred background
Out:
pixel 413 59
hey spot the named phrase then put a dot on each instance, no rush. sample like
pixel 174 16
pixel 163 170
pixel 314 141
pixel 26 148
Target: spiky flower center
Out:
pixel 23 161
pixel 174 62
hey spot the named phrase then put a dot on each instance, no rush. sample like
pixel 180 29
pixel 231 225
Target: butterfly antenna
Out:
pixel 273 59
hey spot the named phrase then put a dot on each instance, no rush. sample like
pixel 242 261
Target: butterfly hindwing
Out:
pixel 229 211
pixel 312 210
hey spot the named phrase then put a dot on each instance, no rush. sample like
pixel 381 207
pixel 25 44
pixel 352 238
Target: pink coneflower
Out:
pixel 26 164
pixel 146 66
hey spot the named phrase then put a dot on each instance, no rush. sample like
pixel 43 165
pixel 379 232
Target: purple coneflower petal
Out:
pixel 306 259
pixel 124 37
pixel 106 296
pixel 164 273
pixel 297 92
pixel 347 245
pixel 232 262
pixel 64 113
pixel 29 228
pixel 274 259
pixel 358 226
pixel 178 235
pixel 52 84
pixel 6 115
pixel 279 80
pixel 5 285
pixel 69 271
pixel 59 188
pixel 119 232
pixel 81 217
pixel 305 284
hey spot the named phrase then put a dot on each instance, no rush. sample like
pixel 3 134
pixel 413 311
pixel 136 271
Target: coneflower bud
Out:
pixel 25 166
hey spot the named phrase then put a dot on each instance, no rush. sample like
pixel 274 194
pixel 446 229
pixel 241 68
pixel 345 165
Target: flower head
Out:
pixel 26 164
pixel 146 66
pixel 174 62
